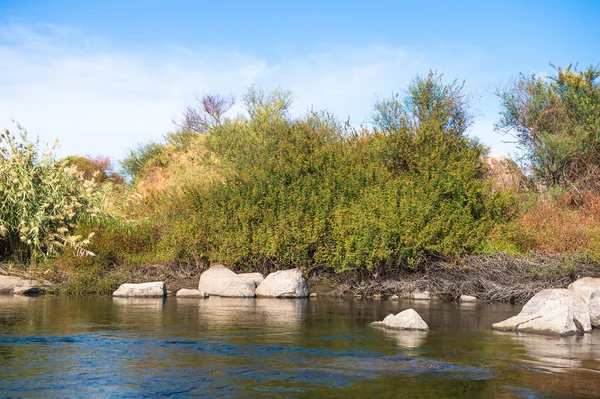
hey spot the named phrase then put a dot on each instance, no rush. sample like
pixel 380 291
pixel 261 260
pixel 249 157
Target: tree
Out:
pixel 208 112
pixel 556 123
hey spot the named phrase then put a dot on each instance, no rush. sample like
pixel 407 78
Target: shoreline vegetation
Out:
pixel 407 202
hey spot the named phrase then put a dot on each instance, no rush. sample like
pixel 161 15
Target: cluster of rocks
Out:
pixel 221 281
pixel 559 311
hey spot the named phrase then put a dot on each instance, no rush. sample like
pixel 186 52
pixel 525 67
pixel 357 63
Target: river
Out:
pixel 94 347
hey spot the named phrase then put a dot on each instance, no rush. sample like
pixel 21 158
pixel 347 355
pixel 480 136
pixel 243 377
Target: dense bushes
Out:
pixel 312 192
pixel 41 201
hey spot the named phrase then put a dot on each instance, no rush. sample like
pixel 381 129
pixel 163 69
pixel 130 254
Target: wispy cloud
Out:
pixel 99 98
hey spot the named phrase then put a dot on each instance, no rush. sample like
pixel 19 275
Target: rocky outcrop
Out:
pixel 284 284
pixel 156 289
pixel 550 312
pixel 467 298
pixel 187 293
pixel 589 289
pixel 504 173
pixel 221 281
pixel 17 286
pixel 408 319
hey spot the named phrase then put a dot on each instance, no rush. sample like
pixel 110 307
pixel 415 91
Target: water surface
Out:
pixel 55 347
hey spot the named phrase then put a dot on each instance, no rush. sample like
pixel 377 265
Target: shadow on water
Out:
pixel 54 347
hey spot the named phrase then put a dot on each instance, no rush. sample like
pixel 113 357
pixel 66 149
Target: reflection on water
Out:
pixel 228 347
pixel 411 339
pixel 560 354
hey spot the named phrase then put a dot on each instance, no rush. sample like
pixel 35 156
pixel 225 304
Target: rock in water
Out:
pixel 17 286
pixel 408 319
pixel 585 287
pixel 468 298
pixel 256 277
pixel 550 312
pixel 421 295
pixel 221 281
pixel 589 289
pixel 156 289
pixel 284 284
pixel 186 293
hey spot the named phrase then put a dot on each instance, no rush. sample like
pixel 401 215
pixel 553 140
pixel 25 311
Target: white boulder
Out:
pixel 589 289
pixel 187 293
pixel 218 280
pixel 408 319
pixel 284 284
pixel 550 312
pixel 585 287
pixel 155 289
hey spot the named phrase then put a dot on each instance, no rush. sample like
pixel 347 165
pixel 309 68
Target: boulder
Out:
pixel 394 298
pixel 187 293
pixel 17 286
pixel 550 312
pixel 218 280
pixel 589 289
pixel 585 287
pixel 408 319
pixel 284 284
pixel 256 277
pixel 156 289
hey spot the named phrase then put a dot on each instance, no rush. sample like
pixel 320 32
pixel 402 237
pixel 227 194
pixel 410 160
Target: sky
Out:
pixel 104 76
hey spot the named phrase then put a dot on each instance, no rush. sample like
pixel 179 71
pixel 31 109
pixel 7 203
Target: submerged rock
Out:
pixel 284 284
pixel 187 293
pixel 408 319
pixel 550 312
pixel 589 289
pixel 421 295
pixel 220 281
pixel 467 298
pixel 17 286
pixel 156 289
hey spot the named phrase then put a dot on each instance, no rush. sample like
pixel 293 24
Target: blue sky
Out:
pixel 102 76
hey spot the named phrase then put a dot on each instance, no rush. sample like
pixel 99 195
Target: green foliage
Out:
pixel 311 192
pixel 41 201
pixel 556 122
pixel 121 248
pixel 140 158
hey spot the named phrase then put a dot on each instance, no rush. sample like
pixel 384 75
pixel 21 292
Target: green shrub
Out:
pixel 41 201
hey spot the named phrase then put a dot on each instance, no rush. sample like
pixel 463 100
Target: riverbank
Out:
pixel 499 278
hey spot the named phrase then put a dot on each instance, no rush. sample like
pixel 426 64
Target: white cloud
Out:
pixel 99 99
